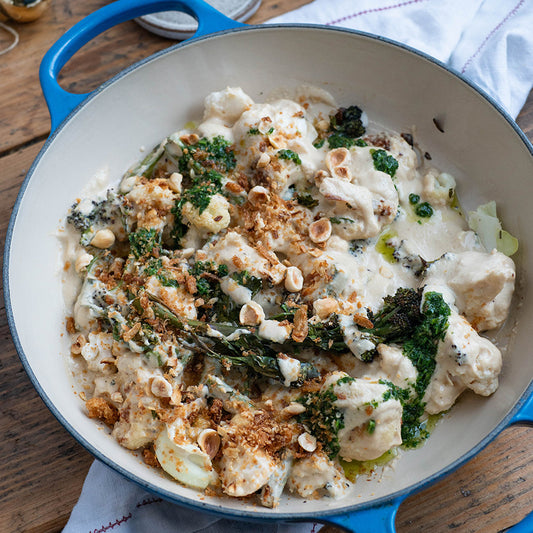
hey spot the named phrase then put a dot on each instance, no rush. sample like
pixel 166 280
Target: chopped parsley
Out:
pixel 306 200
pixel 424 210
pixel 421 348
pixel 289 155
pixel 256 131
pixel 339 140
pixel 166 281
pixel 152 266
pixel 245 279
pixel 384 162
pixel 143 241
pixel 323 419
pixel 414 198
pixel 341 220
pixel 215 154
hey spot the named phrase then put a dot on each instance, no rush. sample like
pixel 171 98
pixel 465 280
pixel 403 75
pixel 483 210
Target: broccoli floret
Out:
pixel 204 186
pixel 323 418
pixel 397 319
pixel 421 348
pixel 344 128
pixel 88 215
pixel 326 335
pixel 347 121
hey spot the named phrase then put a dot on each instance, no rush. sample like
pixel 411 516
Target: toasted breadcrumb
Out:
pixel 102 410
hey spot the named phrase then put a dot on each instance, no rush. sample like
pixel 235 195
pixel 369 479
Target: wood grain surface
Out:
pixel 42 467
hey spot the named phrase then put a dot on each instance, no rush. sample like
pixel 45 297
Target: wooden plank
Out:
pixel 109 53
pixel 490 493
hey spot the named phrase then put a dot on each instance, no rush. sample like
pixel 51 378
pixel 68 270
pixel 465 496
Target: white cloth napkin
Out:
pixel 488 41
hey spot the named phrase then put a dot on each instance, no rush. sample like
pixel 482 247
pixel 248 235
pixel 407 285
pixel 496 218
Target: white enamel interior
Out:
pixel 397 88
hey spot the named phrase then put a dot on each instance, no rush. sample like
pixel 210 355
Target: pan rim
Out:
pixel 258 514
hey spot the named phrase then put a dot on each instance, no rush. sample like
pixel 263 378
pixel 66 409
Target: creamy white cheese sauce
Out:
pixel 296 238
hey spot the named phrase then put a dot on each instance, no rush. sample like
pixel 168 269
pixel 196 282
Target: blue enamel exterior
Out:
pixel 525 413
pixel 375 517
pixel 525 526
pixel 378 519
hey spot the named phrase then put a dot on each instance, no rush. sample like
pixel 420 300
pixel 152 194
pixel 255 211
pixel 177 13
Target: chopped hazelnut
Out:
pixel 320 230
pixel 251 314
pixel 258 195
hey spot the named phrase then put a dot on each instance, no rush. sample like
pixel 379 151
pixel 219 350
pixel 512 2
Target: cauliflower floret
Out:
pixel 244 468
pixel 371 426
pixel 233 249
pixel 222 109
pixel 177 299
pixel 406 157
pixel 438 187
pixel 214 218
pixel 284 124
pixel 227 105
pixel 482 285
pixel 137 426
pixel 464 360
pixel 363 199
pixel 398 368
pixel 152 202
pixel 316 472
pixel 98 354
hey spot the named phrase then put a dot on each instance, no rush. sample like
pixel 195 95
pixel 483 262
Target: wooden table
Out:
pixel 42 467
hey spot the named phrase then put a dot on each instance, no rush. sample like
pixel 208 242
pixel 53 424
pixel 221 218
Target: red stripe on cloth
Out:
pixel 494 30
pixel 112 525
pixel 149 501
pixel 373 10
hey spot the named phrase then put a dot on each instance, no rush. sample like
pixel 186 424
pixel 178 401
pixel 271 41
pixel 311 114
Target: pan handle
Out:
pixel 524 415
pixel 60 102
pixel 379 519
